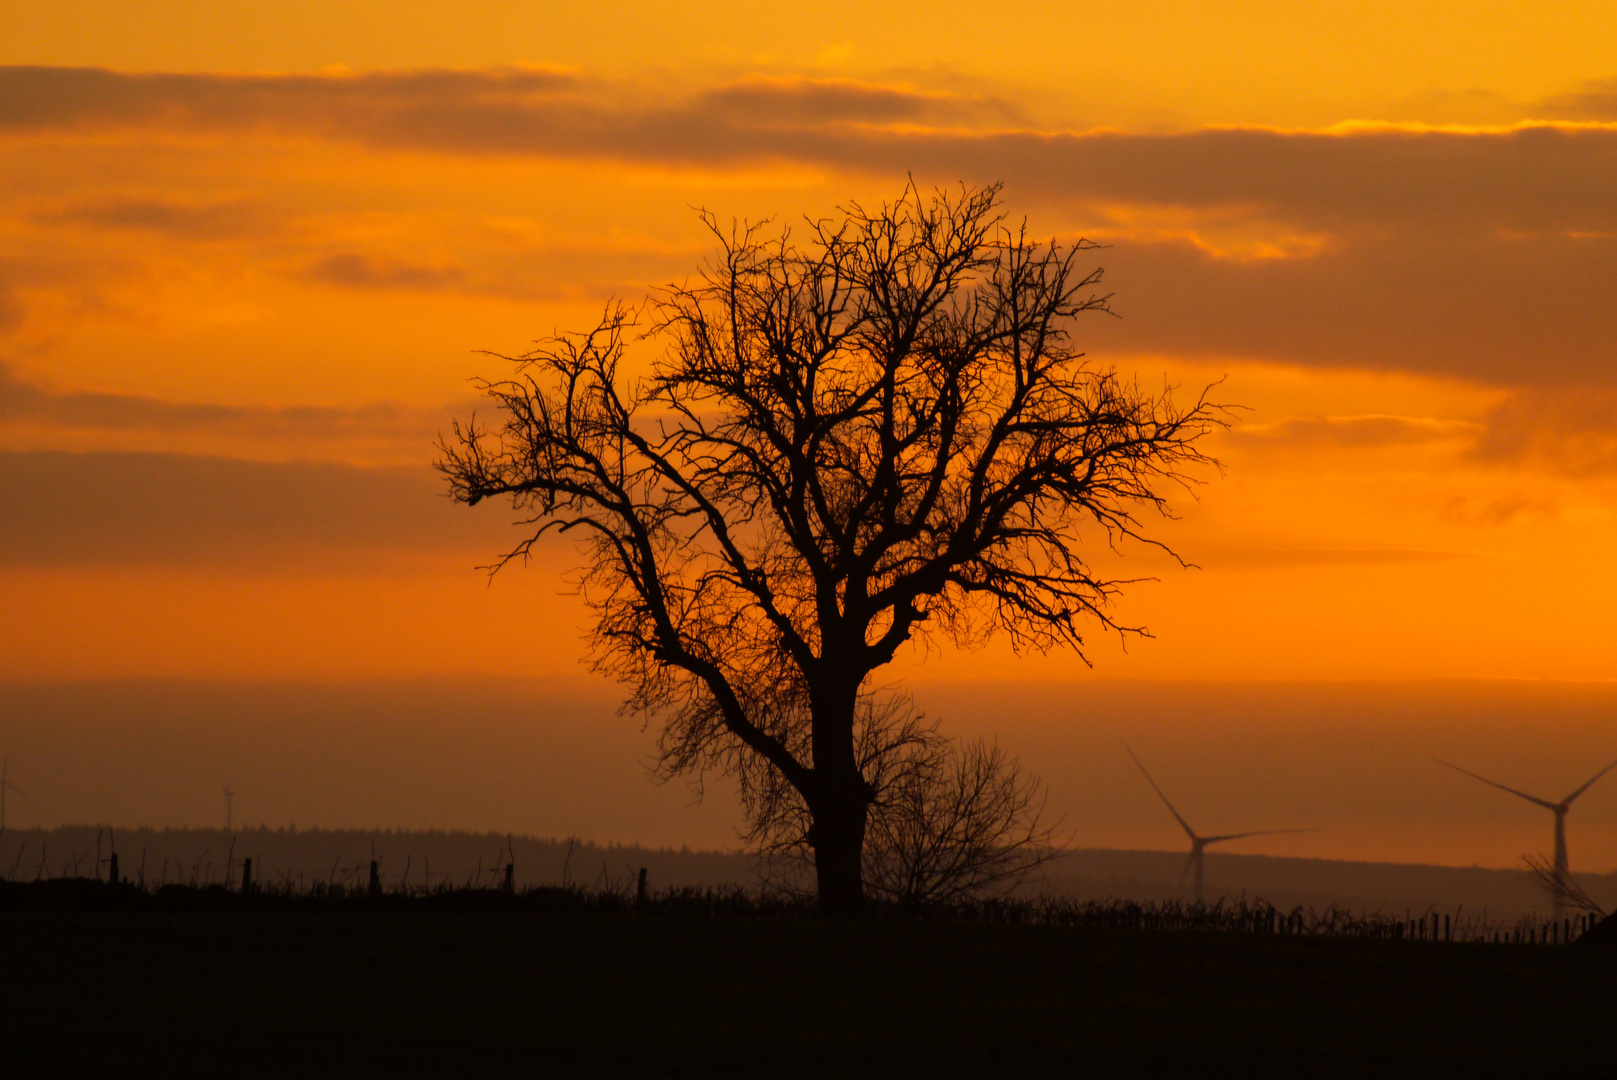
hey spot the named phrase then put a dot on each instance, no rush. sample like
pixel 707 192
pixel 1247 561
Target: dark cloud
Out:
pixel 177 509
pixel 1571 433
pixel 356 270
pixel 1595 100
pixel 1514 310
pixel 1491 511
pixel 1535 177
pixel 33 98
pixel 183 220
pixel 11 315
pixel 90 410
pixel 170 509
pixel 1485 254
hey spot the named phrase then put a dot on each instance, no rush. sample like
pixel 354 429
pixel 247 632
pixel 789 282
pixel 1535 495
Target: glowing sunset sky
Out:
pixel 247 253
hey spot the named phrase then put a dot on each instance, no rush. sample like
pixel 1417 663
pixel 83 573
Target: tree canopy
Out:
pixel 879 434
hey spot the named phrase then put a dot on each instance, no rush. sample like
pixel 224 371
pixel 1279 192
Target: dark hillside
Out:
pixel 305 856
pixel 1391 888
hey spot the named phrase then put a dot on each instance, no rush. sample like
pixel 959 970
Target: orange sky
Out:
pixel 247 253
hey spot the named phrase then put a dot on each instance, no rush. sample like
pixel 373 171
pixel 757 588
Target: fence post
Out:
pixel 112 869
pixel 246 876
pixel 376 879
pixel 640 892
pixel 510 884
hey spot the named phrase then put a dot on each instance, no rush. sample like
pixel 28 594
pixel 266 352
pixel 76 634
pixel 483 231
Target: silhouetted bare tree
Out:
pixel 968 823
pixel 947 820
pixel 881 435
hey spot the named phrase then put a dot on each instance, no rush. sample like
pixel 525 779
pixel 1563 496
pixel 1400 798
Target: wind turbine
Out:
pixel 1198 842
pixel 1559 809
pixel 5 786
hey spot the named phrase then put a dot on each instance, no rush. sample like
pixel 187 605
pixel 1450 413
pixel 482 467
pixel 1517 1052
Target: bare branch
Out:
pixel 881 435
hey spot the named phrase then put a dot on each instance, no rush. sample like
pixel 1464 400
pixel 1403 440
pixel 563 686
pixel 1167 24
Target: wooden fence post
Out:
pixel 246 876
pixel 376 879
pixel 640 892
pixel 510 884
pixel 112 869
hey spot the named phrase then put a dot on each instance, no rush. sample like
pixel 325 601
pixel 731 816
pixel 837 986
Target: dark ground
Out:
pixel 462 993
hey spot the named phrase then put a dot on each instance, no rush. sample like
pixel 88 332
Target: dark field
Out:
pixel 459 993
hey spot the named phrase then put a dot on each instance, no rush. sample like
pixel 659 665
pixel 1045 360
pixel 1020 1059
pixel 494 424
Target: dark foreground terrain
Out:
pixel 519 992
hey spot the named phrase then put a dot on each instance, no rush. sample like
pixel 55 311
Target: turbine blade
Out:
pixel 1183 824
pixel 1590 784
pixel 1520 794
pixel 1244 835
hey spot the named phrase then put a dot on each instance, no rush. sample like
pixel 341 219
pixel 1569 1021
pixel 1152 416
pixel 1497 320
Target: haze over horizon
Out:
pixel 247 255
pixel 553 759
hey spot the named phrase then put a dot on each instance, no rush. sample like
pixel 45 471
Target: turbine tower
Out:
pixel 1198 842
pixel 1559 809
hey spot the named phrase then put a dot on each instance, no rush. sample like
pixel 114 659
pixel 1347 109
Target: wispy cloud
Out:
pixel 759 101
pixel 1525 177
pixel 1574 434
pixel 11 309
pixel 381 432
pixel 1593 101
pixel 182 219
pixel 1509 310
pixel 1291 558
pixel 45 98
pixel 185 510
pixel 1355 432
pixel 1482 253
pixel 360 270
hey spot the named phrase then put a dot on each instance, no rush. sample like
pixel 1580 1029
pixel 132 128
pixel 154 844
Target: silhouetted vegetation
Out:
pixel 878 437
pixel 629 895
pixel 948 821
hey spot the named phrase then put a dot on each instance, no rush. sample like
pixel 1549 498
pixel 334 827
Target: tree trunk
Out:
pixel 839 842
pixel 842 799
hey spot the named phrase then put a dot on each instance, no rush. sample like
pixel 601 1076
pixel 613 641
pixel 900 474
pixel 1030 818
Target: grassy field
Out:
pixel 461 993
